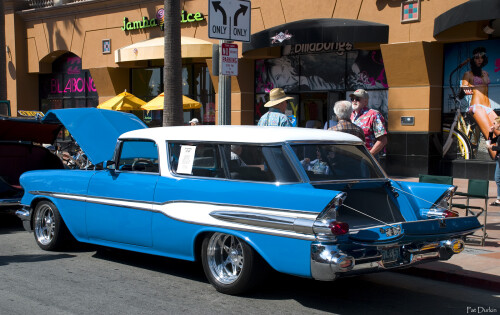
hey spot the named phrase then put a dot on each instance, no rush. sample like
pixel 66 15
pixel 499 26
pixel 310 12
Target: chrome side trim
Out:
pixel 141 205
pixel 278 222
pixel 10 202
pixel 299 225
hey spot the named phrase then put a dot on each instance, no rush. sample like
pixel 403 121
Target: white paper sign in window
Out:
pixel 186 158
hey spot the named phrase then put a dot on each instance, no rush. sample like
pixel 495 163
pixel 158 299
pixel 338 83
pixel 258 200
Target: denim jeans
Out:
pixel 497 178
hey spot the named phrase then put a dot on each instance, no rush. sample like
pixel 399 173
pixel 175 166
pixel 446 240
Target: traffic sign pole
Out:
pixel 224 99
pixel 228 20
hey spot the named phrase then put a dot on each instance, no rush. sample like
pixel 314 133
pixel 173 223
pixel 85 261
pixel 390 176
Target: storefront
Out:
pixel 471 86
pixel 403 52
pixel 77 61
pixel 318 74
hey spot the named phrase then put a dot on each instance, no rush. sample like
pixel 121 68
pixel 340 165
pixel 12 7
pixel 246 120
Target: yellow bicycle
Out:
pixel 463 141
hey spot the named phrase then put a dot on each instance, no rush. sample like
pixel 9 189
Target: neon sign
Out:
pixel 72 85
pixel 159 19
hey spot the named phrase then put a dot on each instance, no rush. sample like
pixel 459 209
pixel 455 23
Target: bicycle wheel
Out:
pixel 461 147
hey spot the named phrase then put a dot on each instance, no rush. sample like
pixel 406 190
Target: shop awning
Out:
pixel 470 11
pixel 153 49
pixel 319 31
pixel 157 103
pixel 123 102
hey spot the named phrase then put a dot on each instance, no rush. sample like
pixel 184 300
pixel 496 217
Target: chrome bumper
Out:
pixel 25 215
pixel 328 262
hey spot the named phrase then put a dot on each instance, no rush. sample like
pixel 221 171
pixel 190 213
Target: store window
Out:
pixel 316 81
pixel 68 86
pixel 196 84
pixel 471 98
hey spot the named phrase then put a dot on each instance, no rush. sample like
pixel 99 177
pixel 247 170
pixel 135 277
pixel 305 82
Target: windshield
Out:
pixel 336 162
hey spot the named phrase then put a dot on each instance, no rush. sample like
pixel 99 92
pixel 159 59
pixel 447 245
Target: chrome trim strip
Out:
pixel 449 192
pixel 102 200
pixel 299 225
pixel 287 223
pixel 351 181
pixel 10 202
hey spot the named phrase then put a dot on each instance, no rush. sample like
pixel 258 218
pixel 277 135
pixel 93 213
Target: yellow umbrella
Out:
pixel 157 103
pixel 123 102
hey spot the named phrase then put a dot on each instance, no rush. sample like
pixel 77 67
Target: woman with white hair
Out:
pixel 343 110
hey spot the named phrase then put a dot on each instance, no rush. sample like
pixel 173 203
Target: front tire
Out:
pixel 230 264
pixel 50 231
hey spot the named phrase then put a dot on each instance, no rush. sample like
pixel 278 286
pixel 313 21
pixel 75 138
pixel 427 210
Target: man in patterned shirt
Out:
pixel 275 116
pixel 343 110
pixel 370 120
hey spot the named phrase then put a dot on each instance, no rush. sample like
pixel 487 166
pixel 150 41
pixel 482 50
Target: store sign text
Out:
pixel 338 47
pixel 73 85
pixel 158 21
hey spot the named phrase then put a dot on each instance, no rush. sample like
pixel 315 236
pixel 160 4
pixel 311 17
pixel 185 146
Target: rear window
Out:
pixel 336 162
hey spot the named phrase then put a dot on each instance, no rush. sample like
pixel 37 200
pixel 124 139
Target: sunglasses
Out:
pixel 355 99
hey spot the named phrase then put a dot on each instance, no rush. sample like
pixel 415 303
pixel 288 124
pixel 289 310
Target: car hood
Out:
pixel 95 130
pixel 32 130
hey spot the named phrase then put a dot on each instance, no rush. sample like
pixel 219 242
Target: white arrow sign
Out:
pixel 229 19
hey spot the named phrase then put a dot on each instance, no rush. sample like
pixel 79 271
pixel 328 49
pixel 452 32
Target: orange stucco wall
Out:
pixel 39 36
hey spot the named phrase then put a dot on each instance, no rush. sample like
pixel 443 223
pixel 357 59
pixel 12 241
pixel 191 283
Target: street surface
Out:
pixel 94 280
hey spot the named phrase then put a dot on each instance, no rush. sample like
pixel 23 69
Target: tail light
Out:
pixel 450 214
pixel 339 228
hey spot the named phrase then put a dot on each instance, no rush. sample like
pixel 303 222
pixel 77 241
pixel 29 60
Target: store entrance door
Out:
pixel 316 109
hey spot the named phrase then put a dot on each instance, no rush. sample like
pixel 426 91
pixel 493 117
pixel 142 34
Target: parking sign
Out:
pixel 229 59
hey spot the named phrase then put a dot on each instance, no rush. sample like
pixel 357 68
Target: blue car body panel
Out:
pixel 96 130
pixel 121 224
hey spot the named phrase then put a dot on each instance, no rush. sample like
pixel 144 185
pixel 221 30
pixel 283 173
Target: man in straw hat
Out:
pixel 275 116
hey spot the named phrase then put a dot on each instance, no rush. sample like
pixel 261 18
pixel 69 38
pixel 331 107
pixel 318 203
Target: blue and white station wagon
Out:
pixel 305 202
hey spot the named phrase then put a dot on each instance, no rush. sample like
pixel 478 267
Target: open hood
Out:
pixel 32 130
pixel 95 130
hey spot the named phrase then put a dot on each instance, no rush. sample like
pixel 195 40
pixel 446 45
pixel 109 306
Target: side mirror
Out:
pixel 109 165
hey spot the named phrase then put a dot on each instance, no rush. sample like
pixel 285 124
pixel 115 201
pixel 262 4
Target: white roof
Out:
pixel 240 134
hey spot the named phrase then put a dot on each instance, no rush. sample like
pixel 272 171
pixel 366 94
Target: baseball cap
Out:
pixel 194 120
pixel 359 93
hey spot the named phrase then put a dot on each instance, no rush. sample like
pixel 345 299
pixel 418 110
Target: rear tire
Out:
pixel 230 264
pixel 50 231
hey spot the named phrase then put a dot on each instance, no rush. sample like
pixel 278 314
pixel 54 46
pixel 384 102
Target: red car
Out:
pixel 21 150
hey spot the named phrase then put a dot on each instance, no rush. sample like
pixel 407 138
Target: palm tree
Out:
pixel 3 61
pixel 172 69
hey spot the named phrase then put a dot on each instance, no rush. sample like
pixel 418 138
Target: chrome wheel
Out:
pixel 44 224
pixel 225 257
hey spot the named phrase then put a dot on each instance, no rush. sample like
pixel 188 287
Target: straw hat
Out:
pixel 277 96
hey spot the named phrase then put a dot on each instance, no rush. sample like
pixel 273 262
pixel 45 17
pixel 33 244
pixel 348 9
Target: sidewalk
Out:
pixel 477 265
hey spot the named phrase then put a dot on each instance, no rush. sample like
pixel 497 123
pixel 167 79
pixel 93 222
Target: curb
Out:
pixel 492 284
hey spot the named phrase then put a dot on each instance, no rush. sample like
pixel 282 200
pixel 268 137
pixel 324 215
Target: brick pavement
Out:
pixel 477 265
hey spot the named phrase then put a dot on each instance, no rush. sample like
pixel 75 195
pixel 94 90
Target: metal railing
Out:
pixel 36 4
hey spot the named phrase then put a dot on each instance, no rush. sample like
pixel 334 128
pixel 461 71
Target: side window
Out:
pixel 247 162
pixel 196 159
pixel 138 156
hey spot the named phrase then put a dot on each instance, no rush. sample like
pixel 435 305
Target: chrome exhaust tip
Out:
pixel 342 262
pixel 456 246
